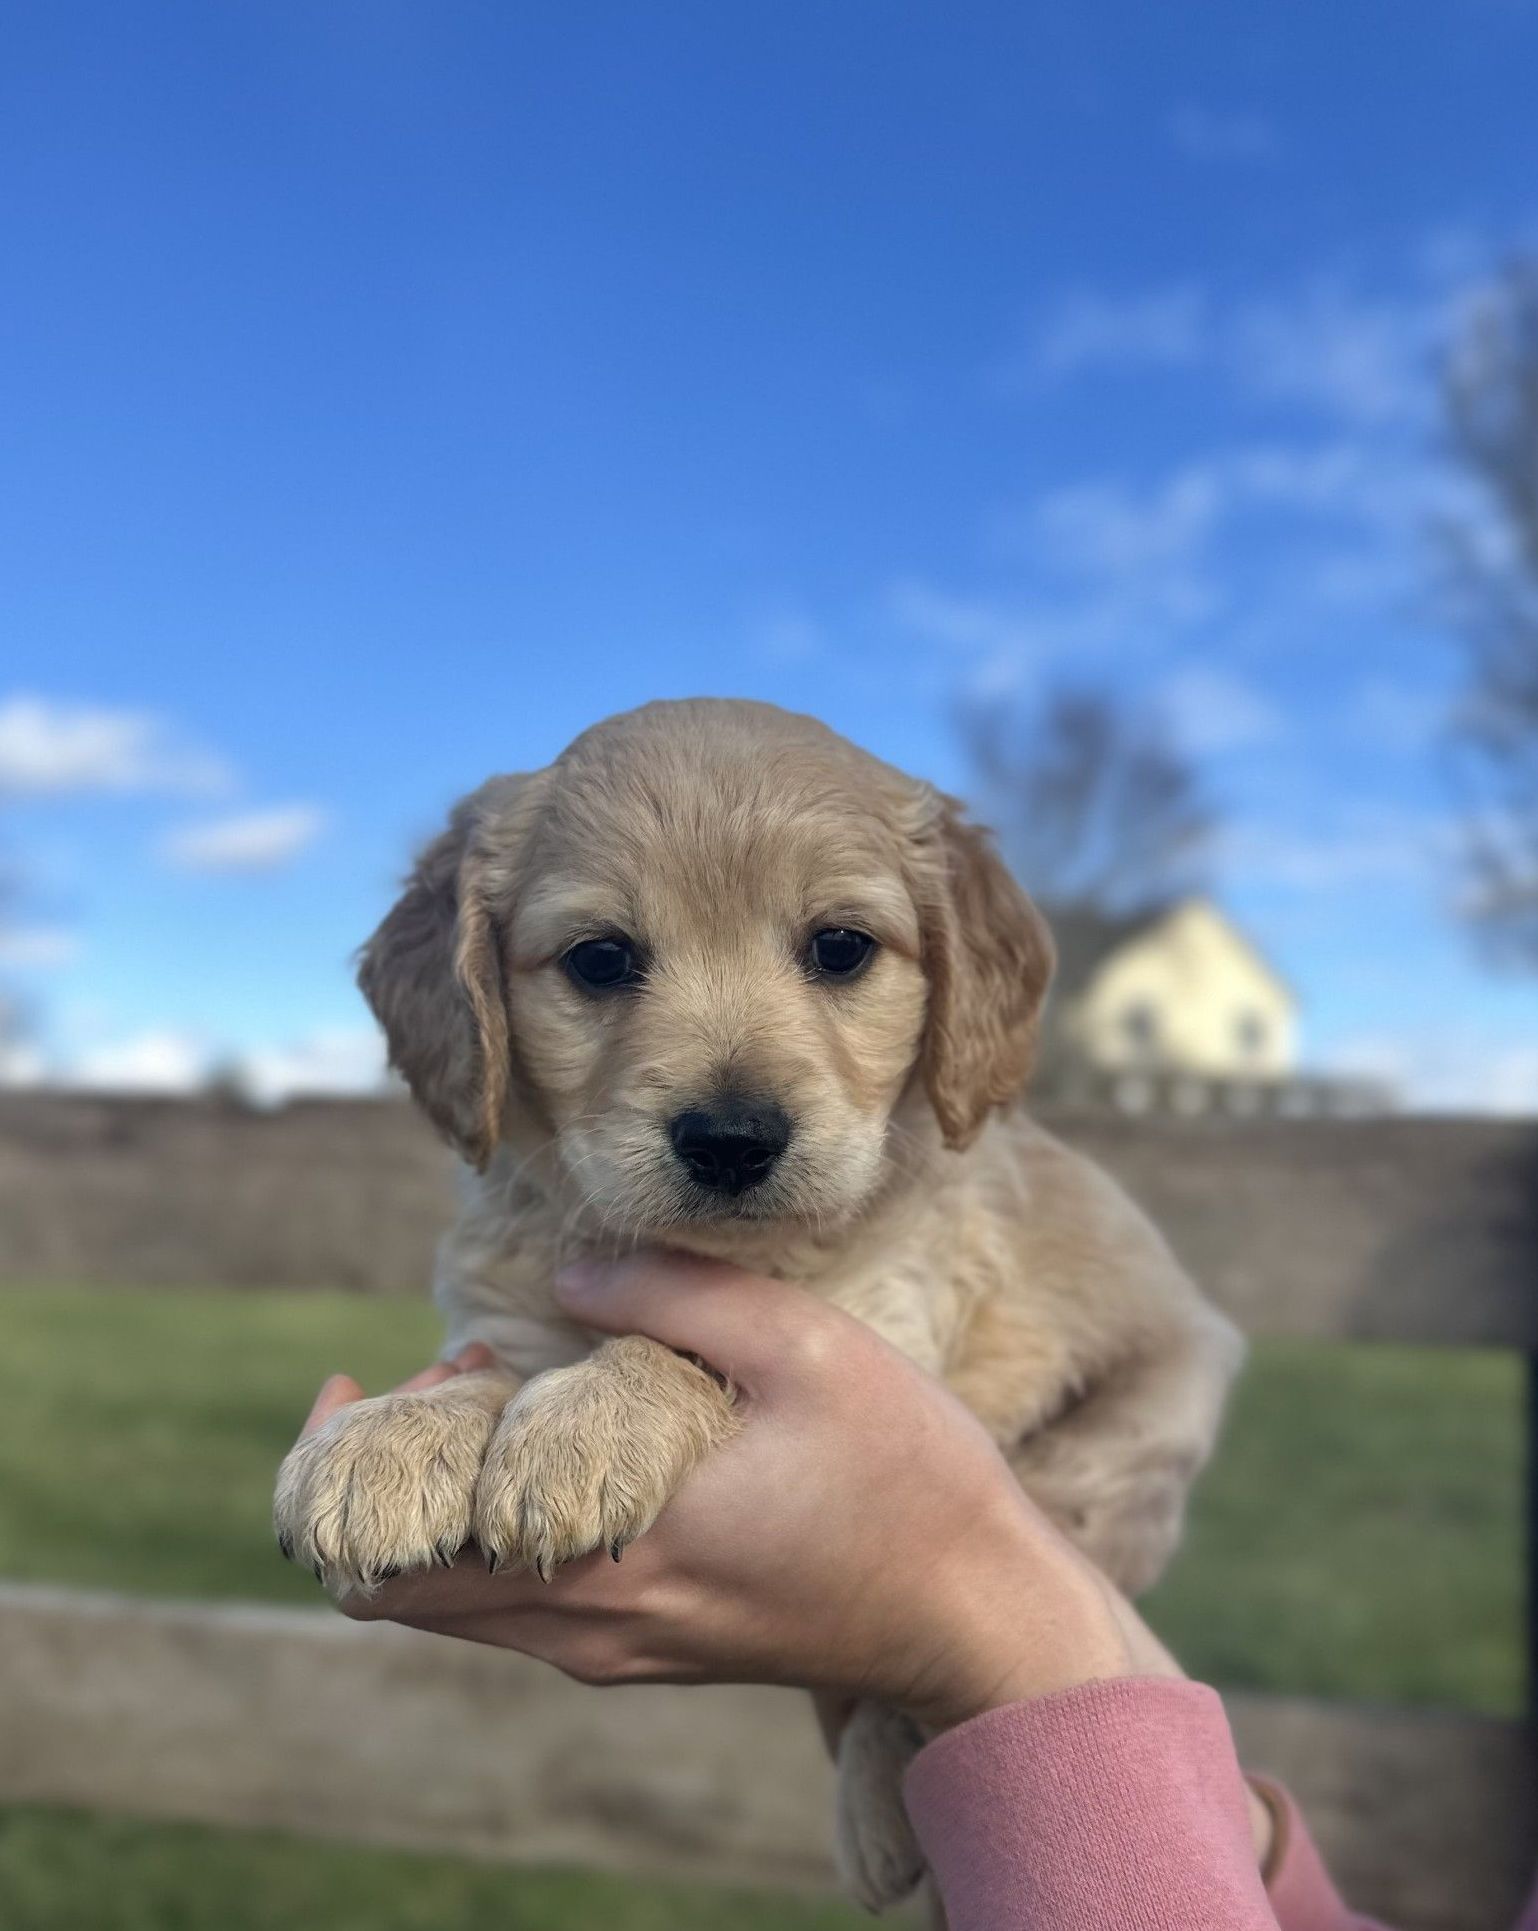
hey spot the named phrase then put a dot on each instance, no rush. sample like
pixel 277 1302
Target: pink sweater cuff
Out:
pixel 1114 1805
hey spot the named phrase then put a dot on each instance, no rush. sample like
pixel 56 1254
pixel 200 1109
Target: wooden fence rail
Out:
pixel 297 1720
pixel 1413 1230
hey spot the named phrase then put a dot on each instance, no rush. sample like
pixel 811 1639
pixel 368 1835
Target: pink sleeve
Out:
pixel 1115 1804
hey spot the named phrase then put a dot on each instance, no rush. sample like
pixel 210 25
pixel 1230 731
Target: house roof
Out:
pixel 1087 938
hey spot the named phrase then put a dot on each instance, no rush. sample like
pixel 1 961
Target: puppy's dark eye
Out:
pixel 841 951
pixel 603 964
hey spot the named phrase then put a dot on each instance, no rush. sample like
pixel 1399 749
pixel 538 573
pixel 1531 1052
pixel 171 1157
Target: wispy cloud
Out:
pixel 257 841
pixel 52 748
pixel 344 1059
pixel 156 1061
pixel 37 947
pixel 1366 843
pixel 167 1060
pixel 1214 712
pixel 995 643
pixel 1086 330
pixel 1209 135
pixel 1331 342
pixel 1103 528
pixel 1449 1070
pixel 1352 356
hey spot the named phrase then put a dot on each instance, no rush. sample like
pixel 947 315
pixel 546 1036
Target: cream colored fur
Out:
pixel 914 1192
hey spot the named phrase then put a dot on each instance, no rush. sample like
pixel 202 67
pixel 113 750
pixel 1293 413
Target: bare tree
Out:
pixel 1491 404
pixel 1097 808
pixel 15 1020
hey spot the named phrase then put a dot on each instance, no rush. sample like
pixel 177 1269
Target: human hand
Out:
pixel 860 1535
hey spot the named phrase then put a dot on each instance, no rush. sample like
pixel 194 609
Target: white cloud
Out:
pixel 1359 355
pixel 50 748
pixel 1213 712
pixel 257 841
pixel 1365 844
pixel 158 1061
pixel 1163 328
pixel 1447 1071
pixel 1105 529
pixel 1001 641
pixel 163 1060
pixel 36 947
pixel 1206 135
pixel 337 1060
pixel 1363 359
pixel 21 1063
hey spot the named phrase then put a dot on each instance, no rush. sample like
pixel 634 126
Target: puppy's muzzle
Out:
pixel 730 1147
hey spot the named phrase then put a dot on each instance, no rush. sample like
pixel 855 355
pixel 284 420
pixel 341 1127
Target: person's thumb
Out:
pixel 338 1391
pixel 742 1325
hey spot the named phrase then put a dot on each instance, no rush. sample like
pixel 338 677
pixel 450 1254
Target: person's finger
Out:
pixel 743 1325
pixel 427 1378
pixel 338 1391
pixel 473 1355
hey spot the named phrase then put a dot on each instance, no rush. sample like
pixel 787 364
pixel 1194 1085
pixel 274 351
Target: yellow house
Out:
pixel 1179 991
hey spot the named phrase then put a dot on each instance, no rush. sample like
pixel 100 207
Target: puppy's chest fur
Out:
pixel 1016 1272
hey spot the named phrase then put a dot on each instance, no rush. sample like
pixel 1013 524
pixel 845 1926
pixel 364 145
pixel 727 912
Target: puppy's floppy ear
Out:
pixel 989 958
pixel 433 972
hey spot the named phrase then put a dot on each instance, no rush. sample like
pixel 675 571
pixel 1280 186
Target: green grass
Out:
pixel 1357 1535
pixel 143 1428
pixel 63 1873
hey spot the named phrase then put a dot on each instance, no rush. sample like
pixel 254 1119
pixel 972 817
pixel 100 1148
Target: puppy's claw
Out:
pixel 285 1545
pixel 543 1568
pixel 616 1549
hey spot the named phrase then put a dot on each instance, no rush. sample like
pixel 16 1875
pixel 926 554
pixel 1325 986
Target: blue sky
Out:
pixel 391 390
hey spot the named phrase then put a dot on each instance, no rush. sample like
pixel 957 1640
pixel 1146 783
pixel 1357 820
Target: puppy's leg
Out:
pixel 1115 1471
pixel 878 1856
pixel 389 1483
pixel 586 1456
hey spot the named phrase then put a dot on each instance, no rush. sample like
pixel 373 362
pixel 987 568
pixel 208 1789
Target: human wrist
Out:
pixel 1017 1617
pixel 1033 1619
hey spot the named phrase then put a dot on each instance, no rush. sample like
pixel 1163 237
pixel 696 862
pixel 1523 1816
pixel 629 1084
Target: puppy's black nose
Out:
pixel 733 1146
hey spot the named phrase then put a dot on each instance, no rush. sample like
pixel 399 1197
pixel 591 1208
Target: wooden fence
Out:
pixel 1412 1230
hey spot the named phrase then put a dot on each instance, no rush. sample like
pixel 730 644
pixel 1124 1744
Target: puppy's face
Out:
pixel 698 960
pixel 716 987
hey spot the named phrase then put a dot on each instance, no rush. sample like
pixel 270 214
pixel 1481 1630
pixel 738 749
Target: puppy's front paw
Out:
pixel 385 1485
pixel 878 1856
pixel 586 1457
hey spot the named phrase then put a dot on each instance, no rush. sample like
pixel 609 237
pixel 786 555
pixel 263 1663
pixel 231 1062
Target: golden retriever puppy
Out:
pixel 717 980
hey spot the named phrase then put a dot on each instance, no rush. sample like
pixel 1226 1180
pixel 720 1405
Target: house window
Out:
pixel 1250 1033
pixel 1140 1026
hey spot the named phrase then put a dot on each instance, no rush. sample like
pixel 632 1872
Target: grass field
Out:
pixel 1356 1536
pixel 61 1873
